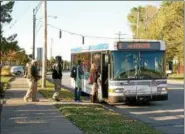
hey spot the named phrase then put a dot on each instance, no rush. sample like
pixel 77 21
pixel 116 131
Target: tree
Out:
pixel 165 23
pixel 7 43
pixel 145 15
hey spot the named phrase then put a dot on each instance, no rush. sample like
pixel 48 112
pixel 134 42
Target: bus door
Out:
pixel 104 74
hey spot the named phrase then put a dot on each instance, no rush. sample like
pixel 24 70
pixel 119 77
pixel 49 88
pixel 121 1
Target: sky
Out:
pixel 95 18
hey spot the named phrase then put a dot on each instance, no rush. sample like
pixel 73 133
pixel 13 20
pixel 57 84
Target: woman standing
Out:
pixel 78 80
pixel 93 80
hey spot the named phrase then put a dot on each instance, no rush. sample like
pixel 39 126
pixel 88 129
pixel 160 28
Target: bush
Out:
pixel 6 71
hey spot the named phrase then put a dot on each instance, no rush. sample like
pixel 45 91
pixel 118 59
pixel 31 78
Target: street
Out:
pixel 167 116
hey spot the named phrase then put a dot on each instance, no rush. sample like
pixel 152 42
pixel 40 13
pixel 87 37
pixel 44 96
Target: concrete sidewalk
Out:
pixel 175 81
pixel 41 117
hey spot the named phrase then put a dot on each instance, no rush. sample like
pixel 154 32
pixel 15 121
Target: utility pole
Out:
pixel 119 35
pixel 145 22
pixel 137 24
pixel 51 47
pixel 34 23
pixel 44 61
pixel 0 45
pixel 35 10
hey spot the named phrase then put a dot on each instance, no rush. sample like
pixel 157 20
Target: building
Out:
pixel 39 54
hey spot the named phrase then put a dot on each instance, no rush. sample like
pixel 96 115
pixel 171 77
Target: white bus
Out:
pixel 131 70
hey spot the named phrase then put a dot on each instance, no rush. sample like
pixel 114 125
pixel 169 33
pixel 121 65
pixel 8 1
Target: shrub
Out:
pixel 6 71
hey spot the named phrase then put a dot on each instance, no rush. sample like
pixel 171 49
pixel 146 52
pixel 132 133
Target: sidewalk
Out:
pixel 41 117
pixel 175 81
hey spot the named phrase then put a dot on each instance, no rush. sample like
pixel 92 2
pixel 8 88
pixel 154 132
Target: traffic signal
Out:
pixel 82 39
pixel 60 34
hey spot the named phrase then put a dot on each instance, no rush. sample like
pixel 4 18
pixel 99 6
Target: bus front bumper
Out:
pixel 161 97
pixel 157 97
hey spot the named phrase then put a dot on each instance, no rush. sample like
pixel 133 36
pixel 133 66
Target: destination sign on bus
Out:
pixel 139 45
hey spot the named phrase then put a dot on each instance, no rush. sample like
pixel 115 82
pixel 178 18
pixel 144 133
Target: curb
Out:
pixel 169 81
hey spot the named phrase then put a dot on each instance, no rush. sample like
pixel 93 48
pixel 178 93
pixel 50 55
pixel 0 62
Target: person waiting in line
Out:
pixel 93 81
pixel 33 77
pixel 78 80
pixel 57 77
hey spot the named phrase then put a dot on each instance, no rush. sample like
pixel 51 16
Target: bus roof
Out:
pixel 113 46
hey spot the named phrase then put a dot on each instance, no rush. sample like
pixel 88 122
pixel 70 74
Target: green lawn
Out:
pixel 5 80
pixel 176 76
pixel 94 119
pixel 65 94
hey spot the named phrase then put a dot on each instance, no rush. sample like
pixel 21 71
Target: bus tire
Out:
pixel 130 101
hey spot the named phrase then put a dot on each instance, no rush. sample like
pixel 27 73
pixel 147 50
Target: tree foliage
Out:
pixel 165 23
pixel 10 43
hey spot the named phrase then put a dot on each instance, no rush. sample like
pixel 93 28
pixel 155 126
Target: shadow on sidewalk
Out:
pixel 32 117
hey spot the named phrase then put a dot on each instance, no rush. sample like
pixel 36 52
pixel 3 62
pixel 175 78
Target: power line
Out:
pixel 72 33
pixel 36 9
pixel 38 30
pixel 25 11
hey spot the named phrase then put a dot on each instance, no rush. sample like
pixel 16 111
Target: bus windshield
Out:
pixel 138 65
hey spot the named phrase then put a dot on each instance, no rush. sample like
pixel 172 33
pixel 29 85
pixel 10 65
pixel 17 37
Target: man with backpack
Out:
pixel 57 77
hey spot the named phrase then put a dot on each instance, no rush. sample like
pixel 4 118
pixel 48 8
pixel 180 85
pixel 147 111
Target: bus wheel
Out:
pixel 131 101
pixel 145 101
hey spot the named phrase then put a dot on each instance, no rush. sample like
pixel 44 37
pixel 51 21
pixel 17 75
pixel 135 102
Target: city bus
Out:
pixel 130 70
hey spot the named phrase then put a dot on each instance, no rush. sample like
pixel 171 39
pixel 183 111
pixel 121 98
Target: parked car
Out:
pixel 17 70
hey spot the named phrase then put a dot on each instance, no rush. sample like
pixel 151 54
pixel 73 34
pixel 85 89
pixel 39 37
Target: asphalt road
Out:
pixel 167 116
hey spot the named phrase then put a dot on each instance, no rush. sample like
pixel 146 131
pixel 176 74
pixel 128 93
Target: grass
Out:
pixel 65 94
pixel 94 119
pixel 5 80
pixel 176 76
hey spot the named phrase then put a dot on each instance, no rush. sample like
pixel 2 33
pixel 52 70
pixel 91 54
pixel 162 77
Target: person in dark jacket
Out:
pixel 57 77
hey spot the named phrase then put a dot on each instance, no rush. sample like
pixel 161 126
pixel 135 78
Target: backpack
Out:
pixel 73 72
pixel 55 73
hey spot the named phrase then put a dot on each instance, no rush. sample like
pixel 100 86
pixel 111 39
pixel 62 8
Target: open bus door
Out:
pixel 104 74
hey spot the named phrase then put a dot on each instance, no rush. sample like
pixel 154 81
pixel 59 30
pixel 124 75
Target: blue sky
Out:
pixel 97 18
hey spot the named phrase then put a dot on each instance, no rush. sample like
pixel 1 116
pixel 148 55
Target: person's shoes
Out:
pixel 58 99
pixel 75 100
pixel 79 101
pixel 26 99
pixel 35 100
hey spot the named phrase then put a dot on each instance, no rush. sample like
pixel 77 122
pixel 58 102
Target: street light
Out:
pixel 34 26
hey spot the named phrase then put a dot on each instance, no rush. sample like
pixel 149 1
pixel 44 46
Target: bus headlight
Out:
pixel 117 90
pixel 160 89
